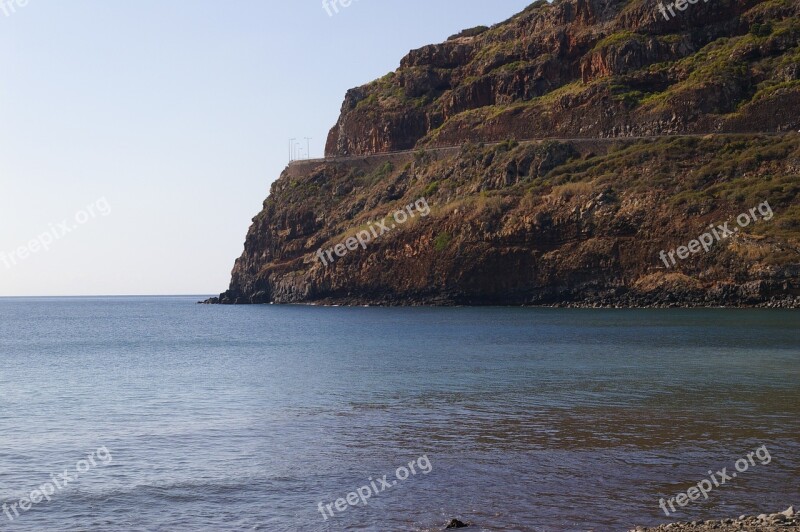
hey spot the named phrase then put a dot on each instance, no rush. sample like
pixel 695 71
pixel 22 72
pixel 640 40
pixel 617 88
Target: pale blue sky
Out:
pixel 171 118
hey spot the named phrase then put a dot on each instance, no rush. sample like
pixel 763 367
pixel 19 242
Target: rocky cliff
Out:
pixel 588 68
pixel 580 218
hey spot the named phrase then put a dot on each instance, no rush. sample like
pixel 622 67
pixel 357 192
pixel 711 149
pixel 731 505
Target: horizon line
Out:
pixel 107 296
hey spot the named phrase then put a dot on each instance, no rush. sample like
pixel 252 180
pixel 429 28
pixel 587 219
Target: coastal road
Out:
pixel 530 141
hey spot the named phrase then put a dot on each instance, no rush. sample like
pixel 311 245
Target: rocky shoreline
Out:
pixel 786 520
pixel 777 303
pixel 605 303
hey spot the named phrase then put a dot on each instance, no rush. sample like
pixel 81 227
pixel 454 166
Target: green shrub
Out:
pixel 442 241
pixel 761 30
pixel 507 145
pixel 471 32
pixel 431 189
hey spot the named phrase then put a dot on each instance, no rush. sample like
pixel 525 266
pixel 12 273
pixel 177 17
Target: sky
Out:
pixel 139 139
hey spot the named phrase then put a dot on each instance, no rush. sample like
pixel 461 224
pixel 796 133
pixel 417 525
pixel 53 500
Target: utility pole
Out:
pixel 291 149
pixel 308 147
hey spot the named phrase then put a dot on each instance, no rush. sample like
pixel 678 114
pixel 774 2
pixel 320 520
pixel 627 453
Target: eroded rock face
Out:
pixel 655 76
pixel 570 222
pixel 546 223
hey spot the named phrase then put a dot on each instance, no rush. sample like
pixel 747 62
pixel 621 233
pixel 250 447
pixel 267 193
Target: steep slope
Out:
pixel 565 221
pixel 588 68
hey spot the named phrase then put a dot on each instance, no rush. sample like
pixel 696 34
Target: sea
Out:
pixel 159 414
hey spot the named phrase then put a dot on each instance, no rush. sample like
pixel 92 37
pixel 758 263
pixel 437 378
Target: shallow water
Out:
pixel 246 418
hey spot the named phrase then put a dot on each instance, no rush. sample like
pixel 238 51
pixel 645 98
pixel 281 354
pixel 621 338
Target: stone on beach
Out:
pixel 785 520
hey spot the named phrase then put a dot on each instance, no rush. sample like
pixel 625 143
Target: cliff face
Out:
pixel 561 221
pixel 580 68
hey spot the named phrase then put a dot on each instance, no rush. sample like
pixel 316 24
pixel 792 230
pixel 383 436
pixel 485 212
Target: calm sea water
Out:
pixel 246 418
